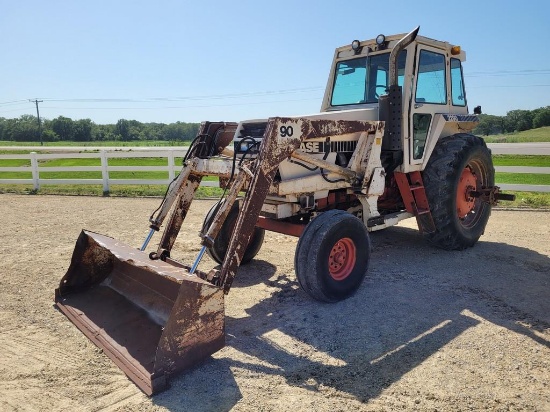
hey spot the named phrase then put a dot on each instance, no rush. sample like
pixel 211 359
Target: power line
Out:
pixel 181 107
pixel 522 72
pixel 175 99
pixel 494 73
pixel 507 86
pixel 265 93
pixel 14 102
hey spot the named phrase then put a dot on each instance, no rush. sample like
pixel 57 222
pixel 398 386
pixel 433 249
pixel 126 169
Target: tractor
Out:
pixel 392 141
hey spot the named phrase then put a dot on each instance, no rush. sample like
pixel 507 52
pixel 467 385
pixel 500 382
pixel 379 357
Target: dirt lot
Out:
pixel 429 330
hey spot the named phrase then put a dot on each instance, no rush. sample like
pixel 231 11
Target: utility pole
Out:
pixel 36 101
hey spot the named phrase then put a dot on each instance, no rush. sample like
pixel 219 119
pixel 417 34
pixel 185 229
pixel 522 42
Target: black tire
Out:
pixel 302 247
pixel 221 243
pixel 332 256
pixel 457 165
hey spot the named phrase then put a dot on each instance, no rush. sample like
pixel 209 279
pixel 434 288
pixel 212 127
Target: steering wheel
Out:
pixel 372 90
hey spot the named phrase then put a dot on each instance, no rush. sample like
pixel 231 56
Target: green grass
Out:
pixel 90 162
pixel 542 134
pixel 97 190
pixel 524 199
pixel 499 160
pixel 521 160
pixel 5 151
pixel 528 200
pixel 522 178
pixel 153 143
pixel 14 162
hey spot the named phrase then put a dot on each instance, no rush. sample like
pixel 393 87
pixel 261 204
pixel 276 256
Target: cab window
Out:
pixel 364 79
pixel 431 85
pixel 457 84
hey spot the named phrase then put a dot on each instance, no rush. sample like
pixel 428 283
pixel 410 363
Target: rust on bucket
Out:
pixel 151 318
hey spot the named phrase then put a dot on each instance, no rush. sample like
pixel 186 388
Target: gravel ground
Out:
pixel 429 330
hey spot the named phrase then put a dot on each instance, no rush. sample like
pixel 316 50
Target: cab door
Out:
pixel 430 96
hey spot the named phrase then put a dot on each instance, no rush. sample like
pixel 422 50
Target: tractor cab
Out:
pixel 430 102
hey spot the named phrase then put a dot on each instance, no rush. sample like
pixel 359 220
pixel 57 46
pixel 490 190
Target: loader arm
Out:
pixel 154 316
pixel 282 139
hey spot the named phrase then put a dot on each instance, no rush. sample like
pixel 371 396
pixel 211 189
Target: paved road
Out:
pixel 542 148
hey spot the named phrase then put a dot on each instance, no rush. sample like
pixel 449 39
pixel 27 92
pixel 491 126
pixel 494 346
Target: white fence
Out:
pixel 104 155
pixel 172 153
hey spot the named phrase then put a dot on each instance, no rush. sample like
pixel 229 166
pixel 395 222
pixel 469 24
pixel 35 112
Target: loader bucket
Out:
pixel 151 318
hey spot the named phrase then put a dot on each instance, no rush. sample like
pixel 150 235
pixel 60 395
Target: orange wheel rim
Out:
pixel 342 257
pixel 467 183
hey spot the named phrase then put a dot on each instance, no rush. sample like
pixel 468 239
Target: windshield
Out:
pixel 364 79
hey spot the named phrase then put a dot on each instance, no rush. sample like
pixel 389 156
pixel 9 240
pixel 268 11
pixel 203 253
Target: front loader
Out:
pixel 389 144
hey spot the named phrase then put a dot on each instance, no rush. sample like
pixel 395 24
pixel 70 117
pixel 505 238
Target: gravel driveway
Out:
pixel 429 330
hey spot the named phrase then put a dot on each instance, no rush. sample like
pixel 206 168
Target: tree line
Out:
pixel 514 121
pixel 26 129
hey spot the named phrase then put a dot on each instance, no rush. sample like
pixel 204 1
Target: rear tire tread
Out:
pixel 449 158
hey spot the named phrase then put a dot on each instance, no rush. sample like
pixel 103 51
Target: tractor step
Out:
pixel 414 197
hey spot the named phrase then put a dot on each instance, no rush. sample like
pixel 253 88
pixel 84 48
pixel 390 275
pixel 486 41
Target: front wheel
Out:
pixel 221 243
pixel 332 256
pixel 459 165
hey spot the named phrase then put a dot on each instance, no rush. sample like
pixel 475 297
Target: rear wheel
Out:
pixel 459 165
pixel 332 256
pixel 221 243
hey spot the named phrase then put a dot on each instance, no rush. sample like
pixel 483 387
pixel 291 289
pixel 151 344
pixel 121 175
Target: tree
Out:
pixel 123 129
pixel 518 120
pixel 83 130
pixel 489 124
pixel 542 117
pixel 103 132
pixel 49 135
pixel 23 129
pixel 63 127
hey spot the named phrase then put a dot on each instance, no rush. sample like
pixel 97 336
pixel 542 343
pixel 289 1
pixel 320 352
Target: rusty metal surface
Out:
pixel 331 167
pixel 282 137
pixel 273 151
pixel 183 203
pixel 216 137
pixel 224 209
pixel 326 128
pixel 414 197
pixel 287 228
pixel 151 318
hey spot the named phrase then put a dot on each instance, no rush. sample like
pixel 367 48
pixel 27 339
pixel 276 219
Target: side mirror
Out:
pixel 477 110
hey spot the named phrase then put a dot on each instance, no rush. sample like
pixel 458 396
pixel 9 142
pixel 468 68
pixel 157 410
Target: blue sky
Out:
pixel 168 61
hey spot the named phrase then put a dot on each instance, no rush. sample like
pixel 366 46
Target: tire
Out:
pixel 221 243
pixel 459 164
pixel 302 247
pixel 332 256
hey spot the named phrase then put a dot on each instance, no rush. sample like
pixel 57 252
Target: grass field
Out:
pixel 523 198
pixel 542 134
pixel 97 190
pixel 521 160
pixel 140 143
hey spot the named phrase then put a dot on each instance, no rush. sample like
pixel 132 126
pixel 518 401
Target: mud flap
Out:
pixel 151 318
